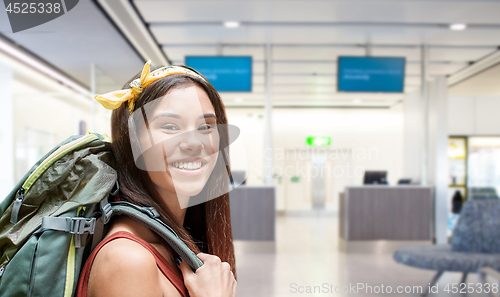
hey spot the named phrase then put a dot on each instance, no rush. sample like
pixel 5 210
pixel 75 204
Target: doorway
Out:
pixel 313 179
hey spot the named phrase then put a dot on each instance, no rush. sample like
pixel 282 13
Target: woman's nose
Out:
pixel 191 142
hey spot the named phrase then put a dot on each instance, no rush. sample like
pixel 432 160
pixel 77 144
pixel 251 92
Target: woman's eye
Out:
pixel 170 127
pixel 205 127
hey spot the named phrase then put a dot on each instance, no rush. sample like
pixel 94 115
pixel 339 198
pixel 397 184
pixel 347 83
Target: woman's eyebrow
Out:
pixel 208 115
pixel 166 114
pixel 174 115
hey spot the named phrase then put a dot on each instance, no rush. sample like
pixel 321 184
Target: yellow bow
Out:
pixel 113 100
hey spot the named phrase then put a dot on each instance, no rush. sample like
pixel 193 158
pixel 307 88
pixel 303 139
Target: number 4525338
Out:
pixel 471 288
pixel 33 8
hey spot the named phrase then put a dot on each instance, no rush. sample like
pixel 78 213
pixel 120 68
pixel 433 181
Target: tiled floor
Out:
pixel 307 254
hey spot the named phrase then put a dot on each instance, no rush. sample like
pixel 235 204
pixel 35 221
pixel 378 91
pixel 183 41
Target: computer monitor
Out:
pixel 404 181
pixel 375 177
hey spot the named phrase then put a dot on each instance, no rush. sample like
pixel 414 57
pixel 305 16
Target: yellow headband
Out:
pixel 113 100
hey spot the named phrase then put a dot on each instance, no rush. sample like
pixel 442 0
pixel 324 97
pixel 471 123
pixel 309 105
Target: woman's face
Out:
pixel 182 128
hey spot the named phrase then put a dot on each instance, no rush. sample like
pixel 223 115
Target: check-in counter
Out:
pixel 403 213
pixel 253 219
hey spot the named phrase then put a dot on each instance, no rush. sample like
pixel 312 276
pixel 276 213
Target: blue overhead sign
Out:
pixel 370 74
pixel 226 74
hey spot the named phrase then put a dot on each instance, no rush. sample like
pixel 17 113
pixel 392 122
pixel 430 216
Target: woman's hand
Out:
pixel 213 279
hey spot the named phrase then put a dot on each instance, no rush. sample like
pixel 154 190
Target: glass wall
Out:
pixel 484 167
pixel 457 178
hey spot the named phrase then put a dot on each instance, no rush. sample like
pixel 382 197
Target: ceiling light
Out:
pixel 231 24
pixel 356 101
pixel 458 27
pixel 238 99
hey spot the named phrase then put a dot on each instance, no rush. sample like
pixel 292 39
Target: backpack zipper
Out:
pixel 17 205
pixel 61 151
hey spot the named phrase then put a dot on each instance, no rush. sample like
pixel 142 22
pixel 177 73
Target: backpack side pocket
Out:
pixel 16 277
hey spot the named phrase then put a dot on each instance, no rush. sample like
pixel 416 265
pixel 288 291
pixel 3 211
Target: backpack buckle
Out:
pixel 80 225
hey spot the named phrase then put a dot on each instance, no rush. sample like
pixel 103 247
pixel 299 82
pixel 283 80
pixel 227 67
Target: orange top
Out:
pixel 161 262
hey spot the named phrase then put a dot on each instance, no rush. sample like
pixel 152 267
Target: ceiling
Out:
pixel 72 42
pixel 305 38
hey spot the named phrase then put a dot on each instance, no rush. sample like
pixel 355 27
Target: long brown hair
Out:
pixel 207 226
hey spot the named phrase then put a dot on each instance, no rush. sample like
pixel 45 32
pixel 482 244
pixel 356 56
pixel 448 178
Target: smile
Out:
pixel 186 165
pixel 191 168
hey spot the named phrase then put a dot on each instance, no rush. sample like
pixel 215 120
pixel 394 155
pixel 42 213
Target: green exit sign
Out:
pixel 318 141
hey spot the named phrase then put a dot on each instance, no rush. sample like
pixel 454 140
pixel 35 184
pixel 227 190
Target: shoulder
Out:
pixel 124 268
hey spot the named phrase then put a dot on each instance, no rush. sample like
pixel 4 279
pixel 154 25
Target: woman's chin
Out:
pixel 188 193
pixel 183 189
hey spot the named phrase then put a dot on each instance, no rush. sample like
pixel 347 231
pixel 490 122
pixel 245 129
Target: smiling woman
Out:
pixel 169 142
pixel 182 136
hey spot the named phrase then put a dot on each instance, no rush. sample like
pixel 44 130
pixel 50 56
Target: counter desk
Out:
pixel 253 218
pixel 386 213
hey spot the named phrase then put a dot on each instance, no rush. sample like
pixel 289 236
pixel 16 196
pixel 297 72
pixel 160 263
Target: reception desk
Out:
pixel 253 212
pixel 404 213
pixel 253 219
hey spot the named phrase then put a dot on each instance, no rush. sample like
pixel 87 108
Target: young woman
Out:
pixel 168 138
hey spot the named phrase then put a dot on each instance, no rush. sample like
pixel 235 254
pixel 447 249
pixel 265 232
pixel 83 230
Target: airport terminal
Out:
pixel 364 135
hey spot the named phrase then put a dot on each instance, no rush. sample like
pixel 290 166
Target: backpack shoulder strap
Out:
pixel 151 218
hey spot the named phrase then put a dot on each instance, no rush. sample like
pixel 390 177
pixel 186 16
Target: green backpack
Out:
pixel 55 216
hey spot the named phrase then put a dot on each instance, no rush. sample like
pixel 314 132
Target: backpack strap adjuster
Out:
pixel 151 211
pixel 106 210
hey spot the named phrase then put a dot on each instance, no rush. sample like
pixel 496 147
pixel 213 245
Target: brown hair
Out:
pixel 208 224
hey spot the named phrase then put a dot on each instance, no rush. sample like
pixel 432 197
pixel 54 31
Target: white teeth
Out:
pixel 187 165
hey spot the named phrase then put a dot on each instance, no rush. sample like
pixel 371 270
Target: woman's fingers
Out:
pixel 209 259
pixel 203 257
pixel 187 272
pixel 213 279
pixel 235 287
